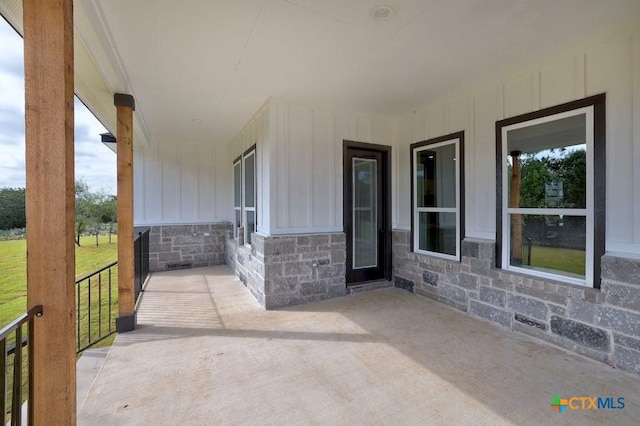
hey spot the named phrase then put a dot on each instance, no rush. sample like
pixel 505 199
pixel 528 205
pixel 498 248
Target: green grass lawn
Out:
pixel 89 257
pixel 13 272
pixel 558 259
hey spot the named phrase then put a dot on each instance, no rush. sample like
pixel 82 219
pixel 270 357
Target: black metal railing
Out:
pixel 13 364
pixel 97 295
pixel 141 255
pixel 96 306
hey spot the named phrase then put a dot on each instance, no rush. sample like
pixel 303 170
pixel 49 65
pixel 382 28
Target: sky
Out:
pixel 94 162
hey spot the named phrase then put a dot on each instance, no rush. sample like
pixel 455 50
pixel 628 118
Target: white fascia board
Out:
pixel 11 10
pixel 95 77
pixel 99 68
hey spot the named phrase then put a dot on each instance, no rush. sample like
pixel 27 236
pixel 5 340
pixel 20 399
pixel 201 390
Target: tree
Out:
pixel 571 170
pixel 106 212
pixel 12 208
pixel 109 214
pixel 535 174
pixel 93 210
pixel 94 223
pixel 83 202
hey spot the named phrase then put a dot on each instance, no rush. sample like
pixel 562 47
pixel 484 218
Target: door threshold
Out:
pixel 368 285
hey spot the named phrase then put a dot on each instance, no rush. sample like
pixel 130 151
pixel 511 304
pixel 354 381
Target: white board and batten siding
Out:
pixel 612 67
pixel 300 163
pixel 256 133
pixel 299 151
pixel 182 183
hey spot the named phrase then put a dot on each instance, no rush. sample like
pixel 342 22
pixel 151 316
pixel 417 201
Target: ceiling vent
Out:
pixel 382 13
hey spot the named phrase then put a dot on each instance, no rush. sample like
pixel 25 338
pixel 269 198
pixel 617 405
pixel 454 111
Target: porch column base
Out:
pixel 126 323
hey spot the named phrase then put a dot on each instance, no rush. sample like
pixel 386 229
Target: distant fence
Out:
pixel 551 231
pixel 21 233
pixel 13 234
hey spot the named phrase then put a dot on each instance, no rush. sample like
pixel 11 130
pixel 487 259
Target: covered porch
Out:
pixel 246 116
pixel 205 352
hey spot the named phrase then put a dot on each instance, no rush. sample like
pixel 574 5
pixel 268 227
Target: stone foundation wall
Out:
pixel 290 270
pixel 603 324
pixel 247 266
pixel 187 246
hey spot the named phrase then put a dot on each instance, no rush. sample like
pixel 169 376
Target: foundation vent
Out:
pixel 178 265
pixel 529 321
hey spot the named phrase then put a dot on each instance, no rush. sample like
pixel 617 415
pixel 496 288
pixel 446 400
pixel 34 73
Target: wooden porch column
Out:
pixel 126 320
pixel 516 219
pixel 48 67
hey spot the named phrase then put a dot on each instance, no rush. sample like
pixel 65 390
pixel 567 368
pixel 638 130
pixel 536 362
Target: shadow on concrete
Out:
pixel 514 375
pixel 415 345
pixel 153 333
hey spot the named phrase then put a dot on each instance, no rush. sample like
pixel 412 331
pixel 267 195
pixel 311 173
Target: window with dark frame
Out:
pixel 437 198
pixel 245 194
pixel 551 192
pixel 237 195
pixel 249 190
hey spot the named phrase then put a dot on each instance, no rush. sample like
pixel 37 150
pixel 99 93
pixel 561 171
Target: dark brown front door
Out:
pixel 366 211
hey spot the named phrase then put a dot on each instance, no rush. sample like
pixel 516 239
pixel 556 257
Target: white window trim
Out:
pixel 588 211
pixel 245 208
pixel 417 210
pixel 238 162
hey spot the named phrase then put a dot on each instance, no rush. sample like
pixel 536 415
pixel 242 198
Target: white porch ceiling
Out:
pixel 200 68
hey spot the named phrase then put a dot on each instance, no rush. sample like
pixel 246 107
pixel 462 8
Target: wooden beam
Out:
pixel 48 65
pixel 126 321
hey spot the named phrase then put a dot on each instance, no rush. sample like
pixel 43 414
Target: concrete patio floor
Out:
pixel 206 353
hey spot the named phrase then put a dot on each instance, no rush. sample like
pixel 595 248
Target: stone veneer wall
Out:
pixel 603 324
pixel 292 269
pixel 187 246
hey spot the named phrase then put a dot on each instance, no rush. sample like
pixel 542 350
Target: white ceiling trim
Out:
pixel 12 12
pixel 200 69
pixel 95 79
pixel 93 29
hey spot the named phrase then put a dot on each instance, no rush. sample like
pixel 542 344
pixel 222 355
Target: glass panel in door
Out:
pixel 365 215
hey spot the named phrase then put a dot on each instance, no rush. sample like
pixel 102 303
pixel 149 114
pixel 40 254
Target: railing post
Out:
pixel 16 400
pixel 146 255
pixel 14 329
pixel 138 257
pixel 30 350
pixel 49 85
pixel 3 379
